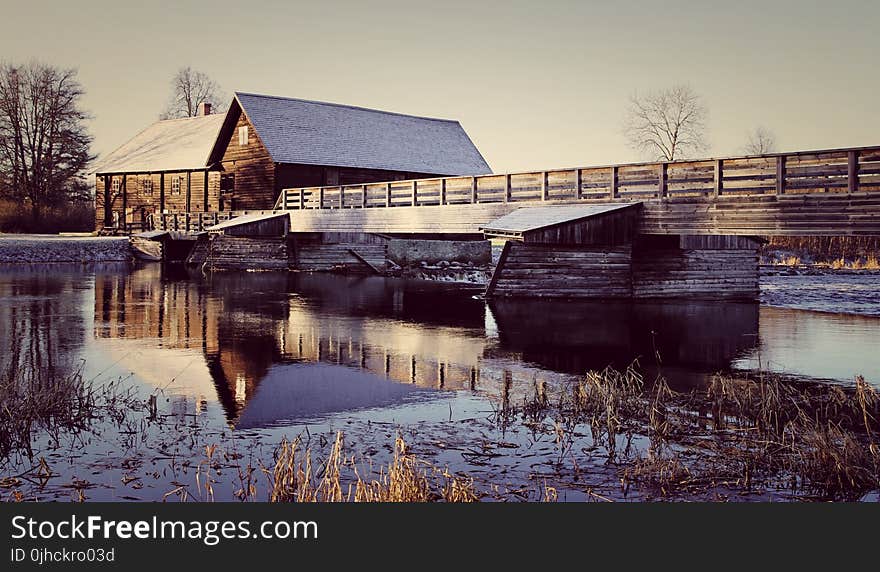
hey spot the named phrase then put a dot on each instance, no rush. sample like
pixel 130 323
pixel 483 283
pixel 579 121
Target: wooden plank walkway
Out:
pixel 828 192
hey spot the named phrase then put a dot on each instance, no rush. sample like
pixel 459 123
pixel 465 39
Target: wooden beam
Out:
pixel 502 258
pixel 364 261
pixel 124 201
pixel 108 204
pixel 718 178
pixel 363 196
pixel 188 191
pixel 161 193
pixel 387 194
pixel 614 182
pixel 545 188
pixel 443 191
pixel 578 181
pixel 341 197
pixel 662 180
pixel 206 203
pixel 506 188
pixel 415 193
pixel 780 175
pixel 474 190
pixel 320 197
pixel 852 171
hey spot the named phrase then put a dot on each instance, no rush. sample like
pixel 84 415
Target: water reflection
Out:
pixel 41 320
pixel 247 339
pixel 816 344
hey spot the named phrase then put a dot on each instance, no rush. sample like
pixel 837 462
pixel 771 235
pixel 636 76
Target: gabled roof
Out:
pixel 527 219
pixel 170 145
pixel 318 133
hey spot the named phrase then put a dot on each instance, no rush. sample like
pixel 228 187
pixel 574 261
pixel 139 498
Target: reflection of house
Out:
pixel 252 350
pixel 241 160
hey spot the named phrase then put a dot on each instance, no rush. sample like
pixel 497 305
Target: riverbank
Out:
pixel 50 248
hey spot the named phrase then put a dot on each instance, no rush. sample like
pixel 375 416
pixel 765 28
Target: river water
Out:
pixel 257 356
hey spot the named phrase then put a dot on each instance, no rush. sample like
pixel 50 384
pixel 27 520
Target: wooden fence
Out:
pixel 192 222
pixel 830 172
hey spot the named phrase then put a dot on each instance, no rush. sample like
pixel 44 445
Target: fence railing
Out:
pixel 831 171
pixel 190 222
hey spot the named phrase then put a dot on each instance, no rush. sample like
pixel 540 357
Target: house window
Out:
pixel 175 185
pixel 243 135
pixel 115 185
pixel 147 186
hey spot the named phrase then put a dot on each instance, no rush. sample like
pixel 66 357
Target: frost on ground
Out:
pixel 41 249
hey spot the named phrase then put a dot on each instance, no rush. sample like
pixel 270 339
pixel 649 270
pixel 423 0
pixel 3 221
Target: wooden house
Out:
pixel 240 160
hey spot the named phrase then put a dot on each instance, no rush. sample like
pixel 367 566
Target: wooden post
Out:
pixel 320 197
pixel 852 172
pixel 341 197
pixel 108 204
pixel 614 182
pixel 387 194
pixel 780 174
pixel 442 191
pixel 206 204
pixel 662 180
pixel 363 196
pixel 415 193
pixel 188 191
pixel 161 192
pixel 506 188
pixel 718 187
pixel 302 198
pixel 473 189
pixel 124 201
pixel 578 181
pixel 545 188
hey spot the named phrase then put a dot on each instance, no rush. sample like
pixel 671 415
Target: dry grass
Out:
pixel 788 261
pixel 815 440
pixel 36 401
pixel 405 479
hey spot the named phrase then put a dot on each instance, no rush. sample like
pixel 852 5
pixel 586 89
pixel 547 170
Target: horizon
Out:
pixel 526 94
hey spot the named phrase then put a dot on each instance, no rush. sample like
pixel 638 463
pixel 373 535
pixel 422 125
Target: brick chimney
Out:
pixel 204 109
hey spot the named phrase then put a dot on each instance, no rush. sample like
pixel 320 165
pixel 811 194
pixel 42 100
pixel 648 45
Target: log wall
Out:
pixel 253 168
pixel 247 253
pixel 689 267
pixel 355 252
pixel 552 271
pixel 696 267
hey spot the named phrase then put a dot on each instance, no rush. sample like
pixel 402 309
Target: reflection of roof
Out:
pixel 533 218
pixel 173 144
pixel 319 133
pixel 306 390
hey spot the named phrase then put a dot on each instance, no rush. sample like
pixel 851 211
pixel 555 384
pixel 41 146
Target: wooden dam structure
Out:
pixel 649 230
pixel 280 183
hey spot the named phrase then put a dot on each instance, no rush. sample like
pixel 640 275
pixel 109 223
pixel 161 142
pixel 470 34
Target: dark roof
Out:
pixel 318 133
pixel 170 145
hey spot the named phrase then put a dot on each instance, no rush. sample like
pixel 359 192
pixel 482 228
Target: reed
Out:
pixel 405 479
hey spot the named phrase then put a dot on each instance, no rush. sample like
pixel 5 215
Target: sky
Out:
pixel 536 84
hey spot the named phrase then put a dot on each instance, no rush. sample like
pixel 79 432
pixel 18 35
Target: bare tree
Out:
pixel 667 124
pixel 44 145
pixel 761 141
pixel 189 88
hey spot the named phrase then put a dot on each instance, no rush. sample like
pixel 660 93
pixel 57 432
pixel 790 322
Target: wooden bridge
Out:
pixel 828 192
